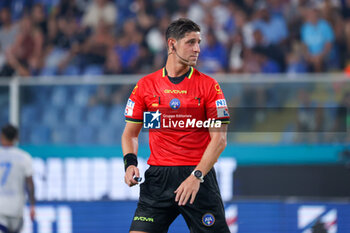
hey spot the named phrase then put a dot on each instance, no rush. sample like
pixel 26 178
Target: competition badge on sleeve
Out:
pixel 221 108
pixel 129 108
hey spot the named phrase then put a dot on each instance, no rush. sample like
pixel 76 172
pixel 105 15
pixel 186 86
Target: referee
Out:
pixel 181 178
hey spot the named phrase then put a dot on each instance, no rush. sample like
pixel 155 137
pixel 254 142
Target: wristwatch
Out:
pixel 198 174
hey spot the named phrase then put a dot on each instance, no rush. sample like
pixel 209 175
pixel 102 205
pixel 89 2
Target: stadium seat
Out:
pixel 108 135
pixel 59 96
pixel 24 135
pixel 93 70
pixel 48 72
pixel 116 115
pixel 39 135
pixel 4 114
pixel 29 114
pixel 71 70
pixel 52 116
pixel 74 115
pixel 96 115
pixel 85 135
pixel 82 95
pixel 63 134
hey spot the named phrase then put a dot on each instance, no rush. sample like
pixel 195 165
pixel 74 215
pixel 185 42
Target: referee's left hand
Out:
pixel 188 188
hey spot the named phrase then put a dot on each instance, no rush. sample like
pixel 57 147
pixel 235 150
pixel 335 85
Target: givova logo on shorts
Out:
pixel 208 219
pixel 143 219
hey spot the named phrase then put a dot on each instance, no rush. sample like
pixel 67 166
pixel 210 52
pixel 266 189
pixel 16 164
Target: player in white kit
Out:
pixel 15 180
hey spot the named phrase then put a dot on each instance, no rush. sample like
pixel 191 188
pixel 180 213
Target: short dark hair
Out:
pixel 10 132
pixel 178 28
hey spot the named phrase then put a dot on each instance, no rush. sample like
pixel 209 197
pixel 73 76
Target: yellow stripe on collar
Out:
pixel 191 72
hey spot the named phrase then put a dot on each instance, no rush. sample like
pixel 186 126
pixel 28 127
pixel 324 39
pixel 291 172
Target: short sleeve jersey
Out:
pixel 15 166
pixel 197 96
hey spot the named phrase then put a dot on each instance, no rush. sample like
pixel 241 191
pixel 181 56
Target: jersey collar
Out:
pixel 188 74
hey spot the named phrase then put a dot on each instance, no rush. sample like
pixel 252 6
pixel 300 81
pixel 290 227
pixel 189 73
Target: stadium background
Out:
pixel 67 68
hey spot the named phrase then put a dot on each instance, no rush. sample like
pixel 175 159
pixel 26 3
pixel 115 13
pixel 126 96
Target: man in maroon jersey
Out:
pixel 187 115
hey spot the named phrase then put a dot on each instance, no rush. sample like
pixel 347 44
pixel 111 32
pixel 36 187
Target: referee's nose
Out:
pixel 196 48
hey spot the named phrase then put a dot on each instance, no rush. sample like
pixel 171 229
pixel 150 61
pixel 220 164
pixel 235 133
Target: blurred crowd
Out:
pixel 94 37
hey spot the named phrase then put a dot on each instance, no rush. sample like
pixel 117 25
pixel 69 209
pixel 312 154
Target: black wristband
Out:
pixel 130 159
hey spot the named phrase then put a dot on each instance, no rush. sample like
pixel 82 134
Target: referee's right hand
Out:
pixel 130 173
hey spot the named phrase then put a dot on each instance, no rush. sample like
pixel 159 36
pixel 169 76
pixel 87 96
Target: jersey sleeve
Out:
pixel 135 106
pixel 28 165
pixel 216 106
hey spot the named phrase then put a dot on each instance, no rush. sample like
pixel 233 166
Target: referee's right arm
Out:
pixel 130 147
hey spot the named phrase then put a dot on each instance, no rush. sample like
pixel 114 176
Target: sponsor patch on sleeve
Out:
pixel 129 108
pixel 222 112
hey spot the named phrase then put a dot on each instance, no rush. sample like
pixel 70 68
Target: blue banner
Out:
pixel 242 217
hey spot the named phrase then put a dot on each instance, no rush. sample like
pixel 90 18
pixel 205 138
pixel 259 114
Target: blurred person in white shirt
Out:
pixel 15 180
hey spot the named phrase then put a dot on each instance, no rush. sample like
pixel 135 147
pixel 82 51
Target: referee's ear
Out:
pixel 170 45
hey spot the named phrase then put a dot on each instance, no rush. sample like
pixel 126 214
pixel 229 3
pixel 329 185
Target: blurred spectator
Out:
pixel 236 54
pixel 267 65
pixel 250 63
pixel 112 65
pixel 69 31
pixel 273 28
pixel 96 47
pixel 39 18
pixel 60 39
pixel 295 62
pixel 67 9
pixel 310 121
pixel 100 10
pixel 8 33
pixel 272 51
pixel 342 120
pixel 128 47
pixel 317 36
pixel 345 11
pixel 25 55
pixel 144 16
pixel 213 57
pixel 245 27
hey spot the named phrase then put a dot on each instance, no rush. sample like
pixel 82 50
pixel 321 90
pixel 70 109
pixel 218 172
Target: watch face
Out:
pixel 198 173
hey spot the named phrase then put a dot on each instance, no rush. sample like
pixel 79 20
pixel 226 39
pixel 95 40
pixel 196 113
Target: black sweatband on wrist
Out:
pixel 130 159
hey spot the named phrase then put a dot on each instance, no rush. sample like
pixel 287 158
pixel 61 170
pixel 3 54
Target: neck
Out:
pixel 174 67
pixel 6 143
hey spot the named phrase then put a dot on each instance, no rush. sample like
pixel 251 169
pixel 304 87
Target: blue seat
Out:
pixel 71 70
pixel 48 71
pixel 24 135
pixel 108 135
pixel 93 70
pixel 63 134
pixel 96 115
pixel 41 94
pixel 52 116
pixel 85 135
pixel 39 135
pixel 116 114
pixel 4 114
pixel 82 95
pixel 17 8
pixel 29 114
pixel 74 115
pixel 59 96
